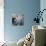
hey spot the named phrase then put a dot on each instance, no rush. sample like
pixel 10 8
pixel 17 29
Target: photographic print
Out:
pixel 18 20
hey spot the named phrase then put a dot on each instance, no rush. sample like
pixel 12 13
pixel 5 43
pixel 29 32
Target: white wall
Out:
pixel 1 20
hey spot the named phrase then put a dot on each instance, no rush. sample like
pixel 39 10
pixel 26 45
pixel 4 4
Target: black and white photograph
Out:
pixel 18 20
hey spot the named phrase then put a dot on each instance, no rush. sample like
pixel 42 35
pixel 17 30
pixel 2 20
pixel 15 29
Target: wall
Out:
pixel 43 6
pixel 26 7
pixel 1 21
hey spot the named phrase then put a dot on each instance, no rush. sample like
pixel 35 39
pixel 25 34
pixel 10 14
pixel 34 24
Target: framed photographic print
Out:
pixel 18 20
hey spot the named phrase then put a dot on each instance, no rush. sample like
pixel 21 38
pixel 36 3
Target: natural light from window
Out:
pixel 1 21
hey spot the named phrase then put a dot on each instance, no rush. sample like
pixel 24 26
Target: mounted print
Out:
pixel 18 20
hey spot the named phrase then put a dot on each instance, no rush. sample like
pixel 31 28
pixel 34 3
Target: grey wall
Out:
pixel 26 7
